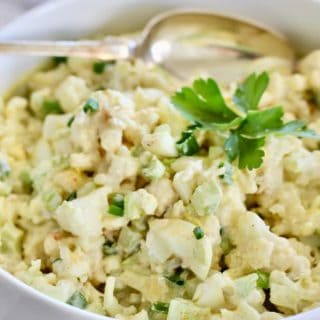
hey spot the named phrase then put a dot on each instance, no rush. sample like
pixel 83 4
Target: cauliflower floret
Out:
pixel 71 92
pixel 152 287
pixel 47 283
pixel 72 264
pixel 211 293
pixel 186 179
pixel 160 142
pixel 111 139
pixel 180 309
pixel 37 98
pixel 270 174
pixel 168 237
pixel 292 296
pixel 206 198
pixel 123 166
pixel 139 203
pixel 310 67
pixel 258 248
pixel 83 216
pixel 242 312
pixel 163 191
pixel 111 304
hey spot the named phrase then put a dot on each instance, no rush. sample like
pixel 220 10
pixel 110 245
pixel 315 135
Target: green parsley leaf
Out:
pixel 258 124
pixel 249 93
pixel 116 206
pixel 78 300
pixel 231 147
pixel 263 279
pixel 297 128
pixel 249 151
pixel 51 107
pixel 91 105
pixel 160 307
pixel 198 233
pixel 204 104
pixel 187 145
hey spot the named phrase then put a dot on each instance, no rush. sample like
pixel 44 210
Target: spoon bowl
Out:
pixel 184 42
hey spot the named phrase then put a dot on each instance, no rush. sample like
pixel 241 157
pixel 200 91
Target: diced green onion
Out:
pixel 225 244
pixel 26 181
pixel 78 300
pixel 51 107
pixel 263 279
pixel 198 233
pixel 176 277
pixel 109 248
pixel 70 121
pixel 116 206
pixel 71 196
pixel 160 307
pixel 227 177
pixel 59 60
pixel 91 105
pixel 99 66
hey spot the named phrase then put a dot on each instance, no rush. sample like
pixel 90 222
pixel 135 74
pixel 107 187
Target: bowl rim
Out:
pixel 41 9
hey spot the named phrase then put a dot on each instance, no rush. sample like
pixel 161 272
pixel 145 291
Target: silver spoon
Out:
pixel 184 42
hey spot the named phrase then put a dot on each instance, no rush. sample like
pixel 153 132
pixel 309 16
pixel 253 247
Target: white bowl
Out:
pixel 64 19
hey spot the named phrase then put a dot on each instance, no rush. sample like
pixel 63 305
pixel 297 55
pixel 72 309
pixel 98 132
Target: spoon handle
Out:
pixel 110 48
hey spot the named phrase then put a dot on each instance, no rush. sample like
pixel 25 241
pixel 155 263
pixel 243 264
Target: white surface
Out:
pixel 298 19
pixel 10 9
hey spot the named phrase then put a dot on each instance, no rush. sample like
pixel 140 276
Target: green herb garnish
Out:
pixel 116 206
pixel 227 176
pixel 187 145
pixel 59 60
pixel 198 233
pixel 99 66
pixel 91 105
pixel 71 196
pixel 225 244
pixel 78 300
pixel 70 121
pixel 51 107
pixel 109 248
pixel 160 307
pixel 244 126
pixel 263 279
pixel 176 277
pixel 26 181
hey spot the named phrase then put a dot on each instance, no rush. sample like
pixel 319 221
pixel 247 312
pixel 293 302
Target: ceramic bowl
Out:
pixel 70 19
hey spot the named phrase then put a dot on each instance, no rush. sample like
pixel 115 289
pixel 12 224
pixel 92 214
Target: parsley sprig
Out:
pixel 244 126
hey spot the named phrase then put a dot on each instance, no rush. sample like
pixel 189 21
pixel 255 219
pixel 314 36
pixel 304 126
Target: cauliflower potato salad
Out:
pixel 129 194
